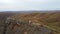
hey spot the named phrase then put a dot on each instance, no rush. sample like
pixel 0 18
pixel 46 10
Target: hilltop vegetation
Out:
pixel 52 20
pixel 3 16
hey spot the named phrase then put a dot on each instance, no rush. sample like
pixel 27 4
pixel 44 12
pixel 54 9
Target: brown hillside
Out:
pixel 52 20
pixel 39 17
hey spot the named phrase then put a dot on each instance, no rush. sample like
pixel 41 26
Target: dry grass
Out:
pixel 52 20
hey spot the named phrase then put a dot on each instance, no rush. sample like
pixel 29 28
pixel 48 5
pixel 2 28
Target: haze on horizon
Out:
pixel 18 5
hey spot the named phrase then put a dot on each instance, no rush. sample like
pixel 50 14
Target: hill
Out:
pixel 48 19
pixel 3 16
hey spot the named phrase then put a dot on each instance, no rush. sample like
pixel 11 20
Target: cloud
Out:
pixel 29 4
pixel 6 1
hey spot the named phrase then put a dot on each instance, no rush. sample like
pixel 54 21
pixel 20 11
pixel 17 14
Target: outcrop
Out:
pixel 34 23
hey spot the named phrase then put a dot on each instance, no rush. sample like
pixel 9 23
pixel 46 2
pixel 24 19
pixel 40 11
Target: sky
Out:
pixel 18 5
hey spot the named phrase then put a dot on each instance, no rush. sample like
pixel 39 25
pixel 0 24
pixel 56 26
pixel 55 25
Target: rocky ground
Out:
pixel 3 17
pixel 49 20
pixel 32 23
